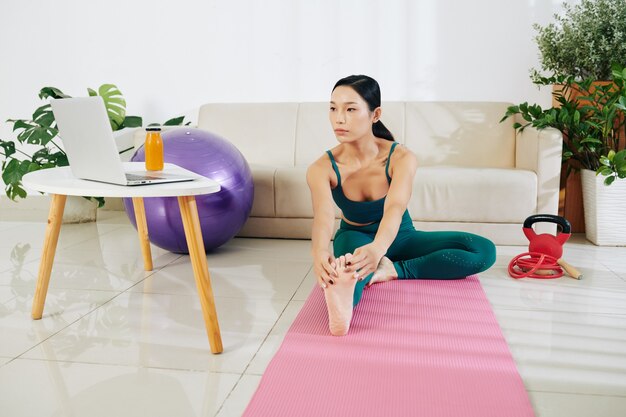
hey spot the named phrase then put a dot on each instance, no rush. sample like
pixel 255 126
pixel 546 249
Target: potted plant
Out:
pixel 584 41
pixel 37 145
pixel 576 54
pixel 593 127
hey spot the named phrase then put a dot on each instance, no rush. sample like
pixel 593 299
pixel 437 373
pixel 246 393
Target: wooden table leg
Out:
pixel 142 229
pixel 55 216
pixel 193 234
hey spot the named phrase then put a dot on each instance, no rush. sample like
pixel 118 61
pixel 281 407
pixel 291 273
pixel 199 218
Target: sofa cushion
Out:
pixel 489 195
pixel 460 134
pixel 314 133
pixel 293 198
pixel 264 193
pixel 263 132
pixel 439 194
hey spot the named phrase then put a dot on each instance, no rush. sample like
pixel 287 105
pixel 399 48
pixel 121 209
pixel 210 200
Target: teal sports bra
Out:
pixel 359 211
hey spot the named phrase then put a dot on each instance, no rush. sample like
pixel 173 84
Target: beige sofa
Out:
pixel 475 174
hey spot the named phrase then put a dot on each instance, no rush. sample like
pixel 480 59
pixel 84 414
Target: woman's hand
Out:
pixel 365 260
pixel 324 267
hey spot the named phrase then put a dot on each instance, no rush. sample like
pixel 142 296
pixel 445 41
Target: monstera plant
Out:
pixel 37 144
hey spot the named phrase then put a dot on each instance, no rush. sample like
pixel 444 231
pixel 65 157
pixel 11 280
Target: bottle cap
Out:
pixel 153 129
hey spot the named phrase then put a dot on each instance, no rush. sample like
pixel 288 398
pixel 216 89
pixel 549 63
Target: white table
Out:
pixel 59 182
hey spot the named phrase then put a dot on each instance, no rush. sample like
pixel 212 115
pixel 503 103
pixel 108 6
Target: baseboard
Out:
pixel 113 204
pixel 37 205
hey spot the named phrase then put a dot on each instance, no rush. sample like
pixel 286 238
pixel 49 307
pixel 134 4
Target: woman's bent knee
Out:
pixel 488 253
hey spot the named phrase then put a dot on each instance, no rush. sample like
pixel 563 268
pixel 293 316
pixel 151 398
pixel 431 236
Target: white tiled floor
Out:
pixel 118 341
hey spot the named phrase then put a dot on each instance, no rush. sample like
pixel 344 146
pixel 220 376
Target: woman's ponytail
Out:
pixel 381 131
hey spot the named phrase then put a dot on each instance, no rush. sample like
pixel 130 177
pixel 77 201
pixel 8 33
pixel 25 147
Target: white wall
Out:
pixel 169 57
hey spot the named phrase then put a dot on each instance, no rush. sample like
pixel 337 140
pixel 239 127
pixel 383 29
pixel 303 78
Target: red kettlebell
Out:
pixel 543 259
pixel 546 243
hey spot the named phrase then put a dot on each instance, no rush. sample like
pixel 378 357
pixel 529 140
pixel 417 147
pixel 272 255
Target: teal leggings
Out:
pixel 418 254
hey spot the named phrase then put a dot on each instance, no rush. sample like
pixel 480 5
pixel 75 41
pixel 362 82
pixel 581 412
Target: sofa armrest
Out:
pixel 540 151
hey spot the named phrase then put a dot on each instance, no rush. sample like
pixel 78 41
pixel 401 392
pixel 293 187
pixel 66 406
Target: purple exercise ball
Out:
pixel 221 214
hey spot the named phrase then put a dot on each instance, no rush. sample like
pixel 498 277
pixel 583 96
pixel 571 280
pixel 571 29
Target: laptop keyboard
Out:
pixel 134 177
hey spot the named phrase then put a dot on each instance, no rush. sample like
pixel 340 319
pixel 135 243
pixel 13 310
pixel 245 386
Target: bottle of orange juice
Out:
pixel 154 149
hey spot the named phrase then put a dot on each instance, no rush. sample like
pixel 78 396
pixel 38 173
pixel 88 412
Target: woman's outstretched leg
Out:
pixel 339 298
pixel 346 242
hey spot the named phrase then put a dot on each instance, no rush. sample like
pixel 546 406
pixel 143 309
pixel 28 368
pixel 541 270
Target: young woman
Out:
pixel 370 179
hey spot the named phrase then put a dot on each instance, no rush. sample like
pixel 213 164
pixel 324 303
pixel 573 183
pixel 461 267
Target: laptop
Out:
pixel 88 140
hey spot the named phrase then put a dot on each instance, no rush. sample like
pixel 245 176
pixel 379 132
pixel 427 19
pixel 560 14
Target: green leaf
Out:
pixel 176 121
pixel 100 200
pixel 11 173
pixel 32 167
pixel 41 156
pixel 9 148
pixel 91 92
pixel 510 111
pixel 58 159
pixel 609 180
pixel 51 92
pixel 21 124
pixel 37 135
pixel 605 161
pixel 15 190
pixel 591 140
pixel 611 155
pixel 24 166
pixel 620 156
pixel 535 111
pixel 132 121
pixel 43 116
pixel 114 103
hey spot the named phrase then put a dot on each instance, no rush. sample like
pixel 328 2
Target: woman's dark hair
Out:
pixel 368 89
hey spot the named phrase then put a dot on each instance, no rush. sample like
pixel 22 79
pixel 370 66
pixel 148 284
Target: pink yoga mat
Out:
pixel 415 348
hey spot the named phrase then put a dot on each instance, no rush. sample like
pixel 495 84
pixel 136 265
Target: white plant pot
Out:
pixel 605 209
pixel 79 210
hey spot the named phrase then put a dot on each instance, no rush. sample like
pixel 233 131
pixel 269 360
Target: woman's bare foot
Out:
pixel 385 272
pixel 339 298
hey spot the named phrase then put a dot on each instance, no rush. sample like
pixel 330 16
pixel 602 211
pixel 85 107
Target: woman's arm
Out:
pixel 323 222
pixel 397 200
pixel 366 258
